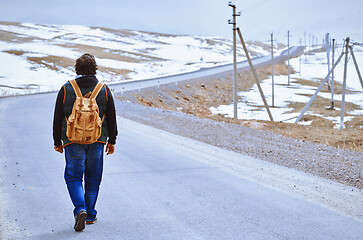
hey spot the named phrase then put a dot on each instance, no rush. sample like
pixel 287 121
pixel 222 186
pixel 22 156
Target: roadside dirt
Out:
pixel 198 95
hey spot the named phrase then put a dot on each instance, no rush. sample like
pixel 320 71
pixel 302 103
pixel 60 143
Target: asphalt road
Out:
pixel 156 186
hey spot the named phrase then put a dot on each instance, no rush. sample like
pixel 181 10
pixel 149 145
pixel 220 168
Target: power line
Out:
pixel 256 5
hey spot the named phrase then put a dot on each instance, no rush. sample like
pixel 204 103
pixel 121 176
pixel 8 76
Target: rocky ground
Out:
pixel 183 109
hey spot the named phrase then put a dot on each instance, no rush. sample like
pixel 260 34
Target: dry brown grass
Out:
pixel 10 23
pixel 263 45
pixel 56 63
pixel 52 62
pixel 321 106
pixel 338 87
pixel 160 34
pixel 99 52
pixel 198 95
pixel 320 131
pixel 15 52
pixel 123 32
pixel 118 55
pixel 6 36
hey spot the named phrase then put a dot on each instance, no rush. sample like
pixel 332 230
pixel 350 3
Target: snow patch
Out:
pixel 315 68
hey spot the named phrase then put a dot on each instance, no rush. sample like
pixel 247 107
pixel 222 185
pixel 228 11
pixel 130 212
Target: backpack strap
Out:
pixel 97 90
pixel 76 88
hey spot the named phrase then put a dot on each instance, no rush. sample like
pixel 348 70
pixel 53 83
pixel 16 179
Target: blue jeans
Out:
pixel 87 160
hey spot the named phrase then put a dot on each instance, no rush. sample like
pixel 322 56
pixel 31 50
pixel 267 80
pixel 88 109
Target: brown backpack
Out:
pixel 84 124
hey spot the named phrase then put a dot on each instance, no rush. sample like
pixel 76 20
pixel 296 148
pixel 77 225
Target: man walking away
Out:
pixel 84 121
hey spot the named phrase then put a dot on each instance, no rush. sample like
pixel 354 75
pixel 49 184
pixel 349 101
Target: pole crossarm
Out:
pixel 319 88
pixel 254 74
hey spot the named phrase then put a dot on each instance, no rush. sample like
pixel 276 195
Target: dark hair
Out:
pixel 86 65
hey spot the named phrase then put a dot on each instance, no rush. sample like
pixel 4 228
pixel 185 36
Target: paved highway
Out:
pixel 156 186
pixel 257 62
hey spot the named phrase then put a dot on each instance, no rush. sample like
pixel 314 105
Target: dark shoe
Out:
pixel 80 221
pixel 91 221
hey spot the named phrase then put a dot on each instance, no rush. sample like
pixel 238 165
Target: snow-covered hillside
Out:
pixel 40 58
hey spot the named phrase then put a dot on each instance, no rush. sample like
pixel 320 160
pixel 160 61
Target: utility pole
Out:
pixel 345 52
pixel 342 108
pixel 332 76
pixel 312 42
pixel 305 44
pixel 300 61
pixel 288 57
pixel 327 49
pixel 233 22
pixel 272 69
pixel 309 41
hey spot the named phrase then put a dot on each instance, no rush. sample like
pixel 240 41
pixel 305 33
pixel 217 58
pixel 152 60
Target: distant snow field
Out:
pixel 314 68
pixel 40 58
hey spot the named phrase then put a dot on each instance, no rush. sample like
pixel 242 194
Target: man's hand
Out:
pixel 110 148
pixel 59 148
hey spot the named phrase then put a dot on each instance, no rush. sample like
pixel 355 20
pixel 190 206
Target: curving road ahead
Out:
pixel 156 186
pixel 204 72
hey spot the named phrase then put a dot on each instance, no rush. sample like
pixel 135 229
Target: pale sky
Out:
pixel 199 17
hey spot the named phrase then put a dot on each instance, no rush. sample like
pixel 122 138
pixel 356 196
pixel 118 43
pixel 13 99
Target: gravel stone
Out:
pixel 339 165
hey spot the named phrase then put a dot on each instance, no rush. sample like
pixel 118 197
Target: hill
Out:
pixel 40 58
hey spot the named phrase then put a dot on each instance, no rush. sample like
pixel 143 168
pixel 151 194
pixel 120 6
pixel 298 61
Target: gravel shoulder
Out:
pixel 336 164
pixel 338 197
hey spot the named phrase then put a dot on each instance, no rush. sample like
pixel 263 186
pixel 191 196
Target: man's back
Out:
pixel 84 161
